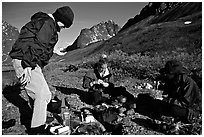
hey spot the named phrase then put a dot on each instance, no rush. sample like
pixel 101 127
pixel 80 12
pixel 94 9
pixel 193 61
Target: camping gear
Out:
pixel 66 117
pixel 60 130
pixel 90 128
pixel 54 106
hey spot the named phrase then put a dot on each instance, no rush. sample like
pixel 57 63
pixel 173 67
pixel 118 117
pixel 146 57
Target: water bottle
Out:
pixel 66 118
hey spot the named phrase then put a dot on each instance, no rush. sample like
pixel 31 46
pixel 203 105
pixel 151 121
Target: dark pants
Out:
pixel 97 97
pixel 154 108
pixel 100 94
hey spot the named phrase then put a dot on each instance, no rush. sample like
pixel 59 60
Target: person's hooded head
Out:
pixel 173 68
pixel 65 16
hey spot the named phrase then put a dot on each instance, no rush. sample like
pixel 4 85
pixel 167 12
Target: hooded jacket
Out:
pixel 185 94
pixel 36 41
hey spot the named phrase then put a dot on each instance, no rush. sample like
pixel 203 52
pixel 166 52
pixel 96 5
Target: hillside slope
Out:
pixel 167 36
pixel 166 32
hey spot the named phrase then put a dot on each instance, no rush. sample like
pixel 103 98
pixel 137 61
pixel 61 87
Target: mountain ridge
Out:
pixel 151 34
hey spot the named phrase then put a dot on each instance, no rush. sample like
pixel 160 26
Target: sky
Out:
pixel 86 14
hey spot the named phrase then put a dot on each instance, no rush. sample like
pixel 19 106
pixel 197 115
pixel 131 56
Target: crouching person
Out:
pixel 97 81
pixel 184 101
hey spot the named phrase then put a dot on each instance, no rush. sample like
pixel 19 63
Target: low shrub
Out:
pixel 146 66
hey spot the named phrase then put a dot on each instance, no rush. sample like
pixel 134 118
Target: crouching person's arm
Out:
pixel 89 80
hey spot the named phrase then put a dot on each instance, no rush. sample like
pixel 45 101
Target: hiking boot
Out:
pixel 8 124
pixel 117 129
pixel 49 119
pixel 40 130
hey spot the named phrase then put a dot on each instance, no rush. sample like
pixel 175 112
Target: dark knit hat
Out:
pixel 174 67
pixel 65 15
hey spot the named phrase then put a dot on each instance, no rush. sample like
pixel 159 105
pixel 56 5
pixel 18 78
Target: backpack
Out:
pixel 110 115
pixel 88 129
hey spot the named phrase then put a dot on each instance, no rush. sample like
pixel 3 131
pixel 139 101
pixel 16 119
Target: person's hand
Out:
pixel 191 115
pixel 104 104
pixel 121 111
pixel 105 95
pixel 26 76
pixel 100 81
pixel 105 84
pixel 94 82
pixel 89 119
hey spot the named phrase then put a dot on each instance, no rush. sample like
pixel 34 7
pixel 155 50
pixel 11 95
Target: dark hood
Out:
pixel 40 15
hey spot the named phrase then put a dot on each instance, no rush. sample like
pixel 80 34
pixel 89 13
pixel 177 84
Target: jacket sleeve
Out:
pixel 88 78
pixel 192 93
pixel 111 79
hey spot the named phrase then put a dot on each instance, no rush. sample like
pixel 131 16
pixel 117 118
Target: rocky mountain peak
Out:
pixel 9 36
pixel 8 31
pixel 100 32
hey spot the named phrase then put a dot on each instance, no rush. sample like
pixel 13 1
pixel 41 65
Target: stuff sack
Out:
pixel 109 115
pixel 54 106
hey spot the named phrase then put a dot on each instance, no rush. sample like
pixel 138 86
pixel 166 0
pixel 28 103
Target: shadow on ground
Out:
pixel 83 95
pixel 12 94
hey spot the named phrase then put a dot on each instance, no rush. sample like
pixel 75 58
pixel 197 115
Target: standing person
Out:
pixel 184 97
pixel 31 52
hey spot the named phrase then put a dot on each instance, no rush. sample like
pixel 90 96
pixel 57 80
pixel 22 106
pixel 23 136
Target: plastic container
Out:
pixel 63 130
pixel 66 119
